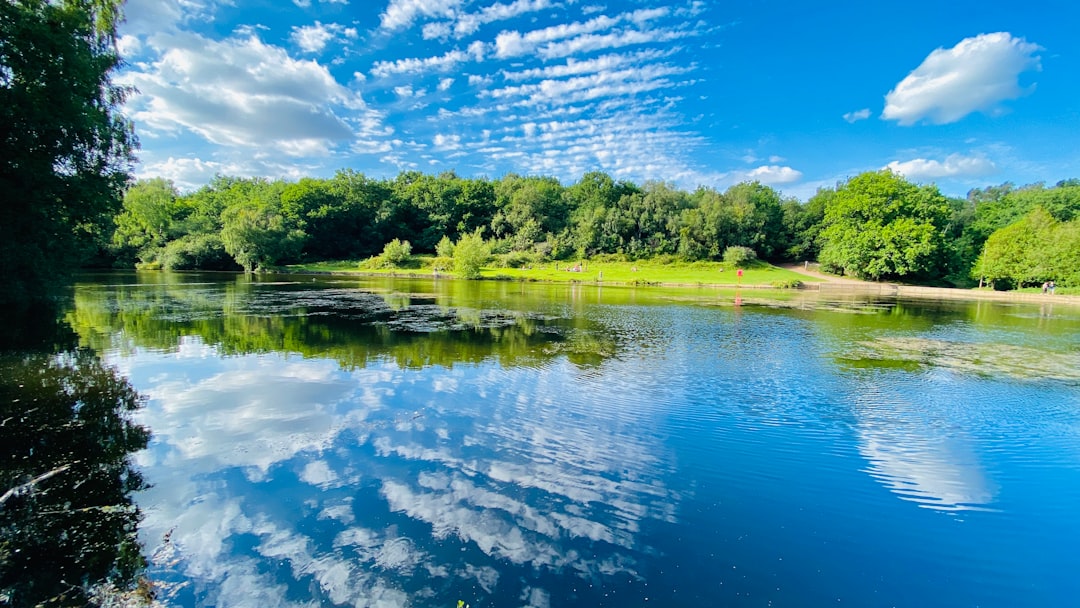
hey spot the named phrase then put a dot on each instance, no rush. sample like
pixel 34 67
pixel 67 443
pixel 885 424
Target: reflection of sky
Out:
pixel 283 479
pixel 912 432
pixel 709 458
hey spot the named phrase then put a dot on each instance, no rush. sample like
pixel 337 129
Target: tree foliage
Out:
pixel 470 254
pixel 876 225
pixel 1033 250
pixel 65 149
pixel 881 226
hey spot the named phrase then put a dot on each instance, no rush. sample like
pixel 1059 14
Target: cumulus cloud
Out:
pixel 771 175
pixel 976 75
pixel 858 115
pixel 241 92
pixel 954 165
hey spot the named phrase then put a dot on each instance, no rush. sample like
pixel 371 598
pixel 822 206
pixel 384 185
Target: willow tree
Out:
pixel 65 148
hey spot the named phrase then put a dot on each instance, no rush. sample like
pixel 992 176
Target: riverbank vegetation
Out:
pixel 874 226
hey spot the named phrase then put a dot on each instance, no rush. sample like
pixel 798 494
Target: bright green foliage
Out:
pixel 528 209
pixel 445 248
pixel 880 226
pixel 257 236
pixel 470 255
pixel 747 215
pixel 65 149
pixel 146 223
pixel 196 252
pixel 395 253
pixel 739 256
pixel 1035 249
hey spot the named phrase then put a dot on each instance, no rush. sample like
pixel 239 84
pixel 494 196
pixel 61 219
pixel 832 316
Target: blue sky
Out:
pixel 797 95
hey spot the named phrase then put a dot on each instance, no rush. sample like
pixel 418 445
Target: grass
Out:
pixel 642 272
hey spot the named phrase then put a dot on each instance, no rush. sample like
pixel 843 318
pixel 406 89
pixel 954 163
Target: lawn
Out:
pixel 642 272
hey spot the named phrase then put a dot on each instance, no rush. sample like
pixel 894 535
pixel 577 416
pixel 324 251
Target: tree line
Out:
pixel 876 225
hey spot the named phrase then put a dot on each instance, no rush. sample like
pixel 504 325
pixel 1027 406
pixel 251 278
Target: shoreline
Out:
pixel 839 286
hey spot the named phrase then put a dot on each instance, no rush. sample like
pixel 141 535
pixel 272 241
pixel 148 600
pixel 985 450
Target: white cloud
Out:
pixel 128 45
pixel 442 62
pixel 858 115
pixel 467 24
pixel 954 165
pixel 772 175
pixel 401 14
pixel 314 38
pixel 241 92
pixel 976 75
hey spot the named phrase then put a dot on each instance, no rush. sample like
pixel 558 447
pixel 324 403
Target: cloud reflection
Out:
pixel 916 449
pixel 391 487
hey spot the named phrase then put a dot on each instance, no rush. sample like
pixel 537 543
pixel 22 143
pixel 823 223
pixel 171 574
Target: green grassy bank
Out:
pixel 642 272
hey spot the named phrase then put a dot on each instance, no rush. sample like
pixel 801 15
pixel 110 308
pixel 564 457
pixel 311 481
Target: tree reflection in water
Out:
pixel 67 521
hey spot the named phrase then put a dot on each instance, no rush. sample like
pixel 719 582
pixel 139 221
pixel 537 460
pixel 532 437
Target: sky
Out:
pixel 796 95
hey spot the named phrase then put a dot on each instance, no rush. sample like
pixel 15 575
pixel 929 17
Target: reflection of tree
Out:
pixel 67 522
pixel 352 326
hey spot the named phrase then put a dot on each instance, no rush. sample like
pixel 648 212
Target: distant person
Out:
pixel 1051 286
pixel 1046 286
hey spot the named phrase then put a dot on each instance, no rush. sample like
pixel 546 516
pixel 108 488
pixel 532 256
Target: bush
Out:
pixel 196 252
pixel 396 252
pixel 517 259
pixel 470 255
pixel 444 248
pixel 739 256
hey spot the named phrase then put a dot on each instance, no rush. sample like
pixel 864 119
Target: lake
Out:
pixel 379 442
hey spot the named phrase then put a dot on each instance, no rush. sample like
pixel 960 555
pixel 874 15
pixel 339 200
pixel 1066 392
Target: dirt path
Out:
pixel 828 278
pixel 835 283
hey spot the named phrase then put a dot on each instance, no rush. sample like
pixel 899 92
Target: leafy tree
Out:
pixel 396 253
pixel 146 222
pixel 739 256
pixel 470 255
pixel 803 222
pixel 879 225
pixel 521 199
pixel 1021 253
pixel 65 148
pixel 196 252
pixel 258 237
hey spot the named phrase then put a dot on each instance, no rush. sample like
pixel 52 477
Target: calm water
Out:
pixel 413 443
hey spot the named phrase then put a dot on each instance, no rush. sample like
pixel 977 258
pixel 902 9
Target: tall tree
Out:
pixel 65 148
pixel 878 225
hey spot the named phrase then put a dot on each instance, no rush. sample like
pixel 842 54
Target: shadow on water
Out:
pixel 67 521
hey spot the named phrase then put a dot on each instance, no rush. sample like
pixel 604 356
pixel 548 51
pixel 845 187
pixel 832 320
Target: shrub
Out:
pixel 396 252
pixel 739 256
pixel 517 259
pixel 444 248
pixel 470 255
pixel 196 252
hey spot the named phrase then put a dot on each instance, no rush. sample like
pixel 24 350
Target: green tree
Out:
pixel 739 256
pixel 804 222
pixel 65 148
pixel 146 222
pixel 470 254
pixel 878 225
pixel 1021 253
pixel 258 237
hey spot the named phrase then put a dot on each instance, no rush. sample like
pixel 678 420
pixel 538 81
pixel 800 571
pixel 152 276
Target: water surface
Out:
pixel 415 443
